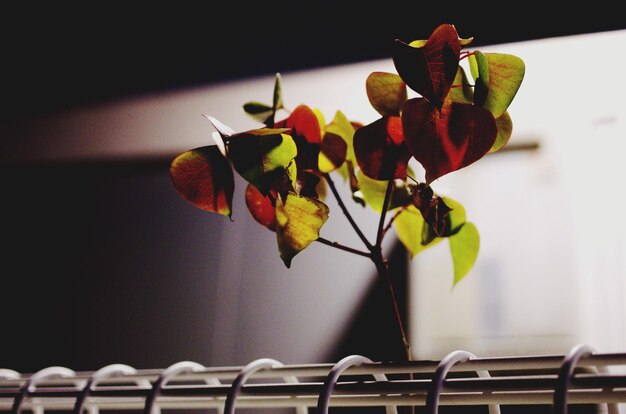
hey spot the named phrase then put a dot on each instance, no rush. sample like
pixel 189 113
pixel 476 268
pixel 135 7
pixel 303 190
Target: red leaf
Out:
pixel 380 149
pixel 260 207
pixel 204 177
pixel 430 70
pixel 448 140
pixel 306 132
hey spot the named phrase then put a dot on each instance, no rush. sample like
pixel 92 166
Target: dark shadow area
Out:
pixel 59 56
pixel 374 332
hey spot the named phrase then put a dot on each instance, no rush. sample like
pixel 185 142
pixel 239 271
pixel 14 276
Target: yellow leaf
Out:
pixel 298 222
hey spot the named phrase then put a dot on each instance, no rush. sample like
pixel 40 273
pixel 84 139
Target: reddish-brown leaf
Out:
pixel 204 177
pixel 307 133
pixel 332 152
pixel 448 140
pixel 260 207
pixel 430 69
pixel 380 149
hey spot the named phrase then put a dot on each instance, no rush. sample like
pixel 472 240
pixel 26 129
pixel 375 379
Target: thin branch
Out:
pixel 392 219
pixel 342 247
pixel 381 222
pixel 346 213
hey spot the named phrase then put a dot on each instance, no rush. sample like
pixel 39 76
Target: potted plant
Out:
pixel 292 160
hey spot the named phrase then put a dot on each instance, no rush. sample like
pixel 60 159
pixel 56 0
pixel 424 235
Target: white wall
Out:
pixel 552 268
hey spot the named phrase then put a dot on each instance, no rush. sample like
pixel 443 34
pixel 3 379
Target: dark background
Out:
pixel 55 57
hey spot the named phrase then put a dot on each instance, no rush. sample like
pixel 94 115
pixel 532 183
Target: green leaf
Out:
pixel 298 222
pixel 386 92
pixel 505 129
pixel 461 90
pixel 501 80
pixel 204 177
pixel 259 155
pixel 409 225
pixel 259 111
pixel 457 216
pixel 372 191
pixel 464 246
pixel 341 125
pixel 277 101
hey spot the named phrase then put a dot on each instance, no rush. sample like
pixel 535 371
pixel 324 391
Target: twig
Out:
pixel 381 222
pixel 392 219
pixel 356 228
pixel 342 247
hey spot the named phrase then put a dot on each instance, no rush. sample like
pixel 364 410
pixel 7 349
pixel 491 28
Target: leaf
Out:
pixel 409 226
pixel 386 92
pixel 340 125
pixel 307 133
pixel 461 91
pixel 277 101
pixel 204 177
pixel 457 215
pixel 505 75
pixel 430 69
pixel 448 140
pixel 373 192
pixel 480 71
pixel 259 155
pixel 265 113
pixel 464 246
pixel 259 112
pixel 223 130
pixel 421 43
pixel 505 129
pixel 260 207
pixel 303 122
pixel 380 150
pixel 298 222
pixel 332 152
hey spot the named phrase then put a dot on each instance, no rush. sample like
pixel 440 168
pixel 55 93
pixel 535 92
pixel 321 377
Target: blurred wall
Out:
pixel 551 272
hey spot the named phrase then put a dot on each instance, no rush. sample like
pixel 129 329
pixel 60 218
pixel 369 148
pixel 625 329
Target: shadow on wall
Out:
pixel 104 263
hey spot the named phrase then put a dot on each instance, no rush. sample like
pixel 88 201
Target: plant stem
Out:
pixel 383 214
pixel 383 271
pixel 375 254
pixel 342 247
pixel 392 219
pixel 383 268
pixel 356 228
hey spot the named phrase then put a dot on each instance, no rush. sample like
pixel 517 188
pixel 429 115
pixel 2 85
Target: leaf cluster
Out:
pixel 288 161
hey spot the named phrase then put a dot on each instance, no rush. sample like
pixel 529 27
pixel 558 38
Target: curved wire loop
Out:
pixel 31 384
pixel 167 374
pixel 104 372
pixel 566 373
pixel 245 373
pixel 323 401
pixel 9 374
pixel 446 363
